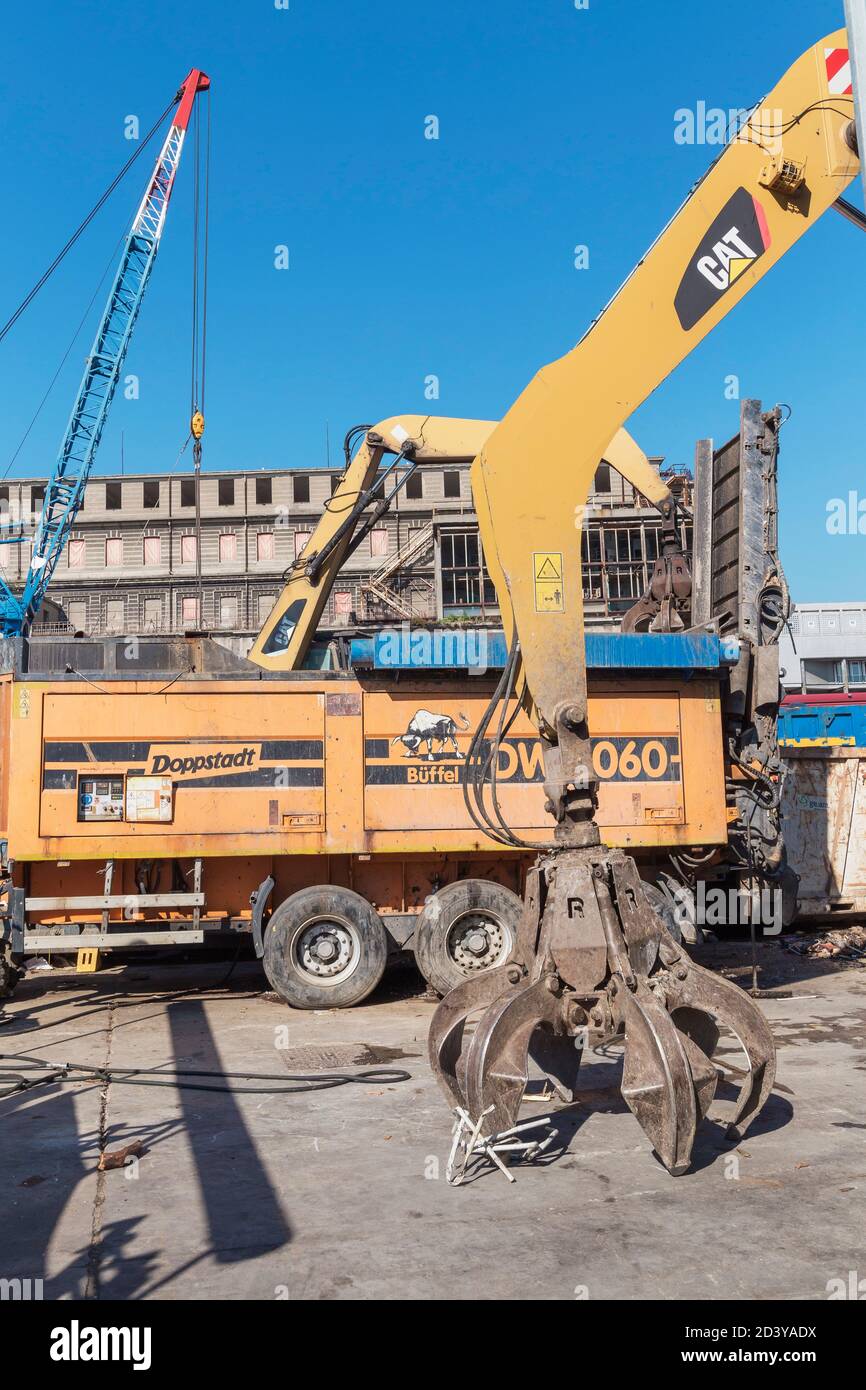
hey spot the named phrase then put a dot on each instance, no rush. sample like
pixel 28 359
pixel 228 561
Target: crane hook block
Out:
pixel 196 425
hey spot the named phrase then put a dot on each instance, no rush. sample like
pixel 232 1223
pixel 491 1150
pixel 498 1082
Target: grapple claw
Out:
pixel 698 1026
pixel 596 961
pixel 497 1065
pixel 713 995
pixel 446 1042
pixel 667 1082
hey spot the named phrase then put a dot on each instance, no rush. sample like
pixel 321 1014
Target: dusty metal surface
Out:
pixel 824 809
pixel 594 962
pixel 735 523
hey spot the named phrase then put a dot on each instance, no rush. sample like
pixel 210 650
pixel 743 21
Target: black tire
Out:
pixel 472 905
pixel 294 939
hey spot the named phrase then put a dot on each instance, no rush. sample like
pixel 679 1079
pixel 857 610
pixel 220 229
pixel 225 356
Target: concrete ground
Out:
pixel 340 1194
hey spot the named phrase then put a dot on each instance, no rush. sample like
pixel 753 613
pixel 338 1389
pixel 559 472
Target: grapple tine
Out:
pixel 497 1064
pixel 698 1026
pixel 705 1076
pixel 716 996
pixel 598 962
pixel 664 1093
pixel 445 1044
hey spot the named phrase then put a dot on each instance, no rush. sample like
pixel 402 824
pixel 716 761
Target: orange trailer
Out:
pixel 322 812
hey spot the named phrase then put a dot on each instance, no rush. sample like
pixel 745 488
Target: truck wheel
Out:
pixel 465 928
pixel 325 948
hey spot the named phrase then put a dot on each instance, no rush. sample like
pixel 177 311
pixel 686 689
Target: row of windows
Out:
pixel 226 491
pixel 617 561
pixel 415 485
pixel 616 566
pixel 152 548
pixel 227 613
pixel 847 673
pixel 150 493
pixel 152 551
pixel 150 616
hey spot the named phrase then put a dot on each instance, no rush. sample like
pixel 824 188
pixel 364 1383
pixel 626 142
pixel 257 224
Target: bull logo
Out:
pixel 429 728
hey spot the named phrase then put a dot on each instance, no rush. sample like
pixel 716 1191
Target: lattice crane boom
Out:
pixel 65 488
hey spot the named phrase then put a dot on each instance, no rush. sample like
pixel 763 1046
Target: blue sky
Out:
pixel 411 257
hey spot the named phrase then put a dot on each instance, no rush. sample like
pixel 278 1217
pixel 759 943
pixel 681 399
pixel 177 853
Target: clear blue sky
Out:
pixel 412 257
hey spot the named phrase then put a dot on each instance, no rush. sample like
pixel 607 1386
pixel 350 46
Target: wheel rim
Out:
pixel 326 950
pixel 478 940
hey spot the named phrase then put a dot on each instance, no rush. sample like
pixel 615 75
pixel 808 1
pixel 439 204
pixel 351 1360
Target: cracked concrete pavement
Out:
pixel 340 1194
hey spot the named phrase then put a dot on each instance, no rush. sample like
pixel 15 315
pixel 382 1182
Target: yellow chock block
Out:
pixel 87 960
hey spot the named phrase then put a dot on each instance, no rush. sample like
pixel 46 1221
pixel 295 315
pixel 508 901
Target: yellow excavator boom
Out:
pixel 790 162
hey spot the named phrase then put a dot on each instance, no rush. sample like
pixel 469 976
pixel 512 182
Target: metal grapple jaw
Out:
pixel 594 961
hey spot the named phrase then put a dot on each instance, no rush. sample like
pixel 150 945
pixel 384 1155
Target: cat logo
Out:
pixel 730 257
pixel 738 237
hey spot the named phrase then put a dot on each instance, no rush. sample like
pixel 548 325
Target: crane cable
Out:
pixel 72 341
pixel 201 198
pixel 198 361
pixel 31 295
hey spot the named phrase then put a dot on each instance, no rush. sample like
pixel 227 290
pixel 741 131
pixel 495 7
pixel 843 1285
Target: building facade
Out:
pixel 822 649
pixel 131 564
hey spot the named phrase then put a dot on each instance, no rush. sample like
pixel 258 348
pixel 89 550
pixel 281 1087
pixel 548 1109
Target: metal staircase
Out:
pixel 379 585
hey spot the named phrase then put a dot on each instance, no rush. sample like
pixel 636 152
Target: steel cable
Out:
pixel 290 1083
pixel 28 299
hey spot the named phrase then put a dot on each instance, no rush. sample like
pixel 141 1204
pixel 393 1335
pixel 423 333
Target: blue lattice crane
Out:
pixel 65 487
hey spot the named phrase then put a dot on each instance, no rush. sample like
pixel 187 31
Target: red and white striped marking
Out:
pixel 838 71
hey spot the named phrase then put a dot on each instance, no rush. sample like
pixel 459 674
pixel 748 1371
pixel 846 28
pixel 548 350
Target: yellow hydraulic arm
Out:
pixel 286 635
pixel 791 162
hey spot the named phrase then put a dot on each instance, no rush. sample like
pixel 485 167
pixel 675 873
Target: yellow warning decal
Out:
pixel 547 569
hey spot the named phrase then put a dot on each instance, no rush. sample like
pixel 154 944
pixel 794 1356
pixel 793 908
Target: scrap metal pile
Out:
pixel 847 944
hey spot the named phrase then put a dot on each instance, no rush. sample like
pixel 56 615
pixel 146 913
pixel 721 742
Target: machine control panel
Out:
pixel 100 798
